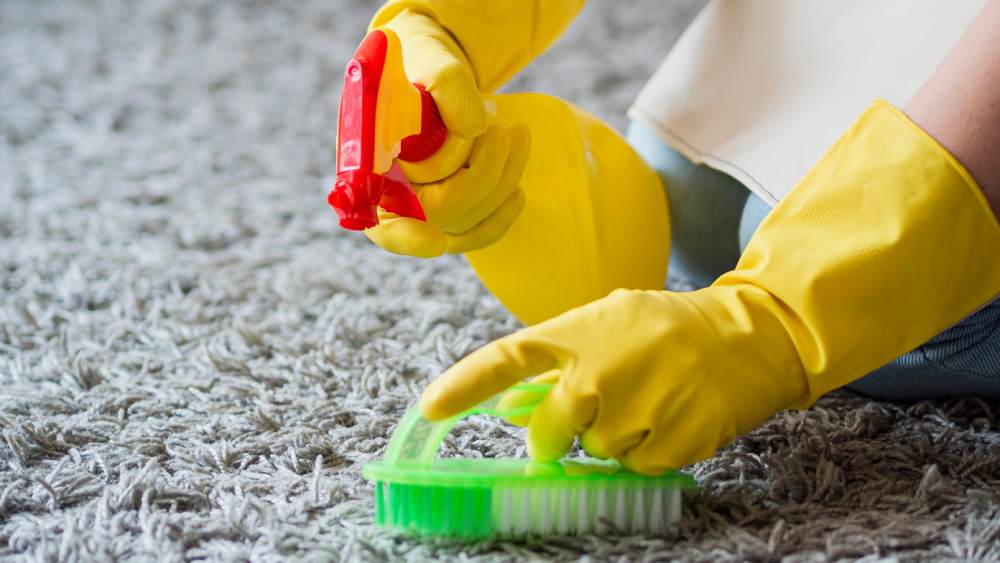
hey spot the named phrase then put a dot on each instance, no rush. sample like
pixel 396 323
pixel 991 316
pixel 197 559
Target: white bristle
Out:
pixel 601 513
pixel 539 510
pixel 664 508
pixel 639 510
pixel 675 506
pixel 656 515
pixel 522 523
pixel 562 516
pixel 506 511
pixel 667 516
pixel 620 507
pixel 544 511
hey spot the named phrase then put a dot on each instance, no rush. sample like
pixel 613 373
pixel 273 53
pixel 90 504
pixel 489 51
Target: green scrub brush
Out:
pixel 478 498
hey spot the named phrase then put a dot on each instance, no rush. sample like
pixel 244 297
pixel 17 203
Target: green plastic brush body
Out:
pixel 478 498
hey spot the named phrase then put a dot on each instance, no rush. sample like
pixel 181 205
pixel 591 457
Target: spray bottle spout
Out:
pixel 382 117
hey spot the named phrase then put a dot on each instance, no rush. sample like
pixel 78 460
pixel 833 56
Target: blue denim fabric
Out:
pixel 705 210
pixel 963 360
pixel 712 219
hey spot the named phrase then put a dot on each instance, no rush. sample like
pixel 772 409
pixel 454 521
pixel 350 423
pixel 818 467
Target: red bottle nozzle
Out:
pixel 432 131
pixel 357 195
pixel 379 113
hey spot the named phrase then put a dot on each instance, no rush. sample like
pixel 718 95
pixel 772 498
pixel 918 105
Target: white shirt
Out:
pixel 759 89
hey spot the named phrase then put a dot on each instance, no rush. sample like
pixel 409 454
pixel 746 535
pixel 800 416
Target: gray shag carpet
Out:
pixel 196 363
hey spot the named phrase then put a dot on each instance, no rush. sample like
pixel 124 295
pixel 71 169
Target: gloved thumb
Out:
pixel 433 59
pixel 409 237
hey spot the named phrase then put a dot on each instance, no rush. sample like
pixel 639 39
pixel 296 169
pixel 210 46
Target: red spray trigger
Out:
pixel 382 116
pixel 432 131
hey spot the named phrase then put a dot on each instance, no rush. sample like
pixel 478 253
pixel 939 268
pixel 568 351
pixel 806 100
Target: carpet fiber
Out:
pixel 196 363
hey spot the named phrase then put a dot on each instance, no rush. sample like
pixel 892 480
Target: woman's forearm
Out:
pixel 960 104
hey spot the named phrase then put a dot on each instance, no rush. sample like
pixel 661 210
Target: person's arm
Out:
pixel 884 243
pixel 960 104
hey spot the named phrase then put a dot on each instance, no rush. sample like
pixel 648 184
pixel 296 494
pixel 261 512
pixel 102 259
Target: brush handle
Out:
pixel 416 440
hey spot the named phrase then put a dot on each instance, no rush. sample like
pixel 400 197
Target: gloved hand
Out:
pixel 452 46
pixel 884 243
pixel 433 59
pixel 468 210
pixel 458 51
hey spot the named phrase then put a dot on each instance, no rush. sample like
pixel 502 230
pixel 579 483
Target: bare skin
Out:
pixel 960 104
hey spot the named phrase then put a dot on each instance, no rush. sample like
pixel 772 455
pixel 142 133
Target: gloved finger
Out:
pixel 490 230
pixel 433 59
pixel 458 100
pixel 683 437
pixel 446 201
pixel 558 420
pixel 488 371
pixel 517 158
pixel 670 448
pixel 517 398
pixel 409 237
pixel 611 442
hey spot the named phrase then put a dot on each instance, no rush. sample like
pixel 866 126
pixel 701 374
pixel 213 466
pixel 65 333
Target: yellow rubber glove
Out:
pixel 586 204
pixel 468 210
pixel 595 215
pixel 433 59
pixel 496 38
pixel 460 50
pixel 884 243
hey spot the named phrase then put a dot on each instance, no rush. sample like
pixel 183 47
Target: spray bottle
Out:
pixel 387 134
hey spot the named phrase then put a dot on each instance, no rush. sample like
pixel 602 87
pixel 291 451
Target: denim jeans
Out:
pixel 712 217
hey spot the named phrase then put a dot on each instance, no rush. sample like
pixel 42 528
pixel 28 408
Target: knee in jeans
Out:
pixel 963 360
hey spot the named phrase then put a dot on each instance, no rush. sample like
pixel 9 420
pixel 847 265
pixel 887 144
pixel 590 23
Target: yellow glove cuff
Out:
pixel 884 243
